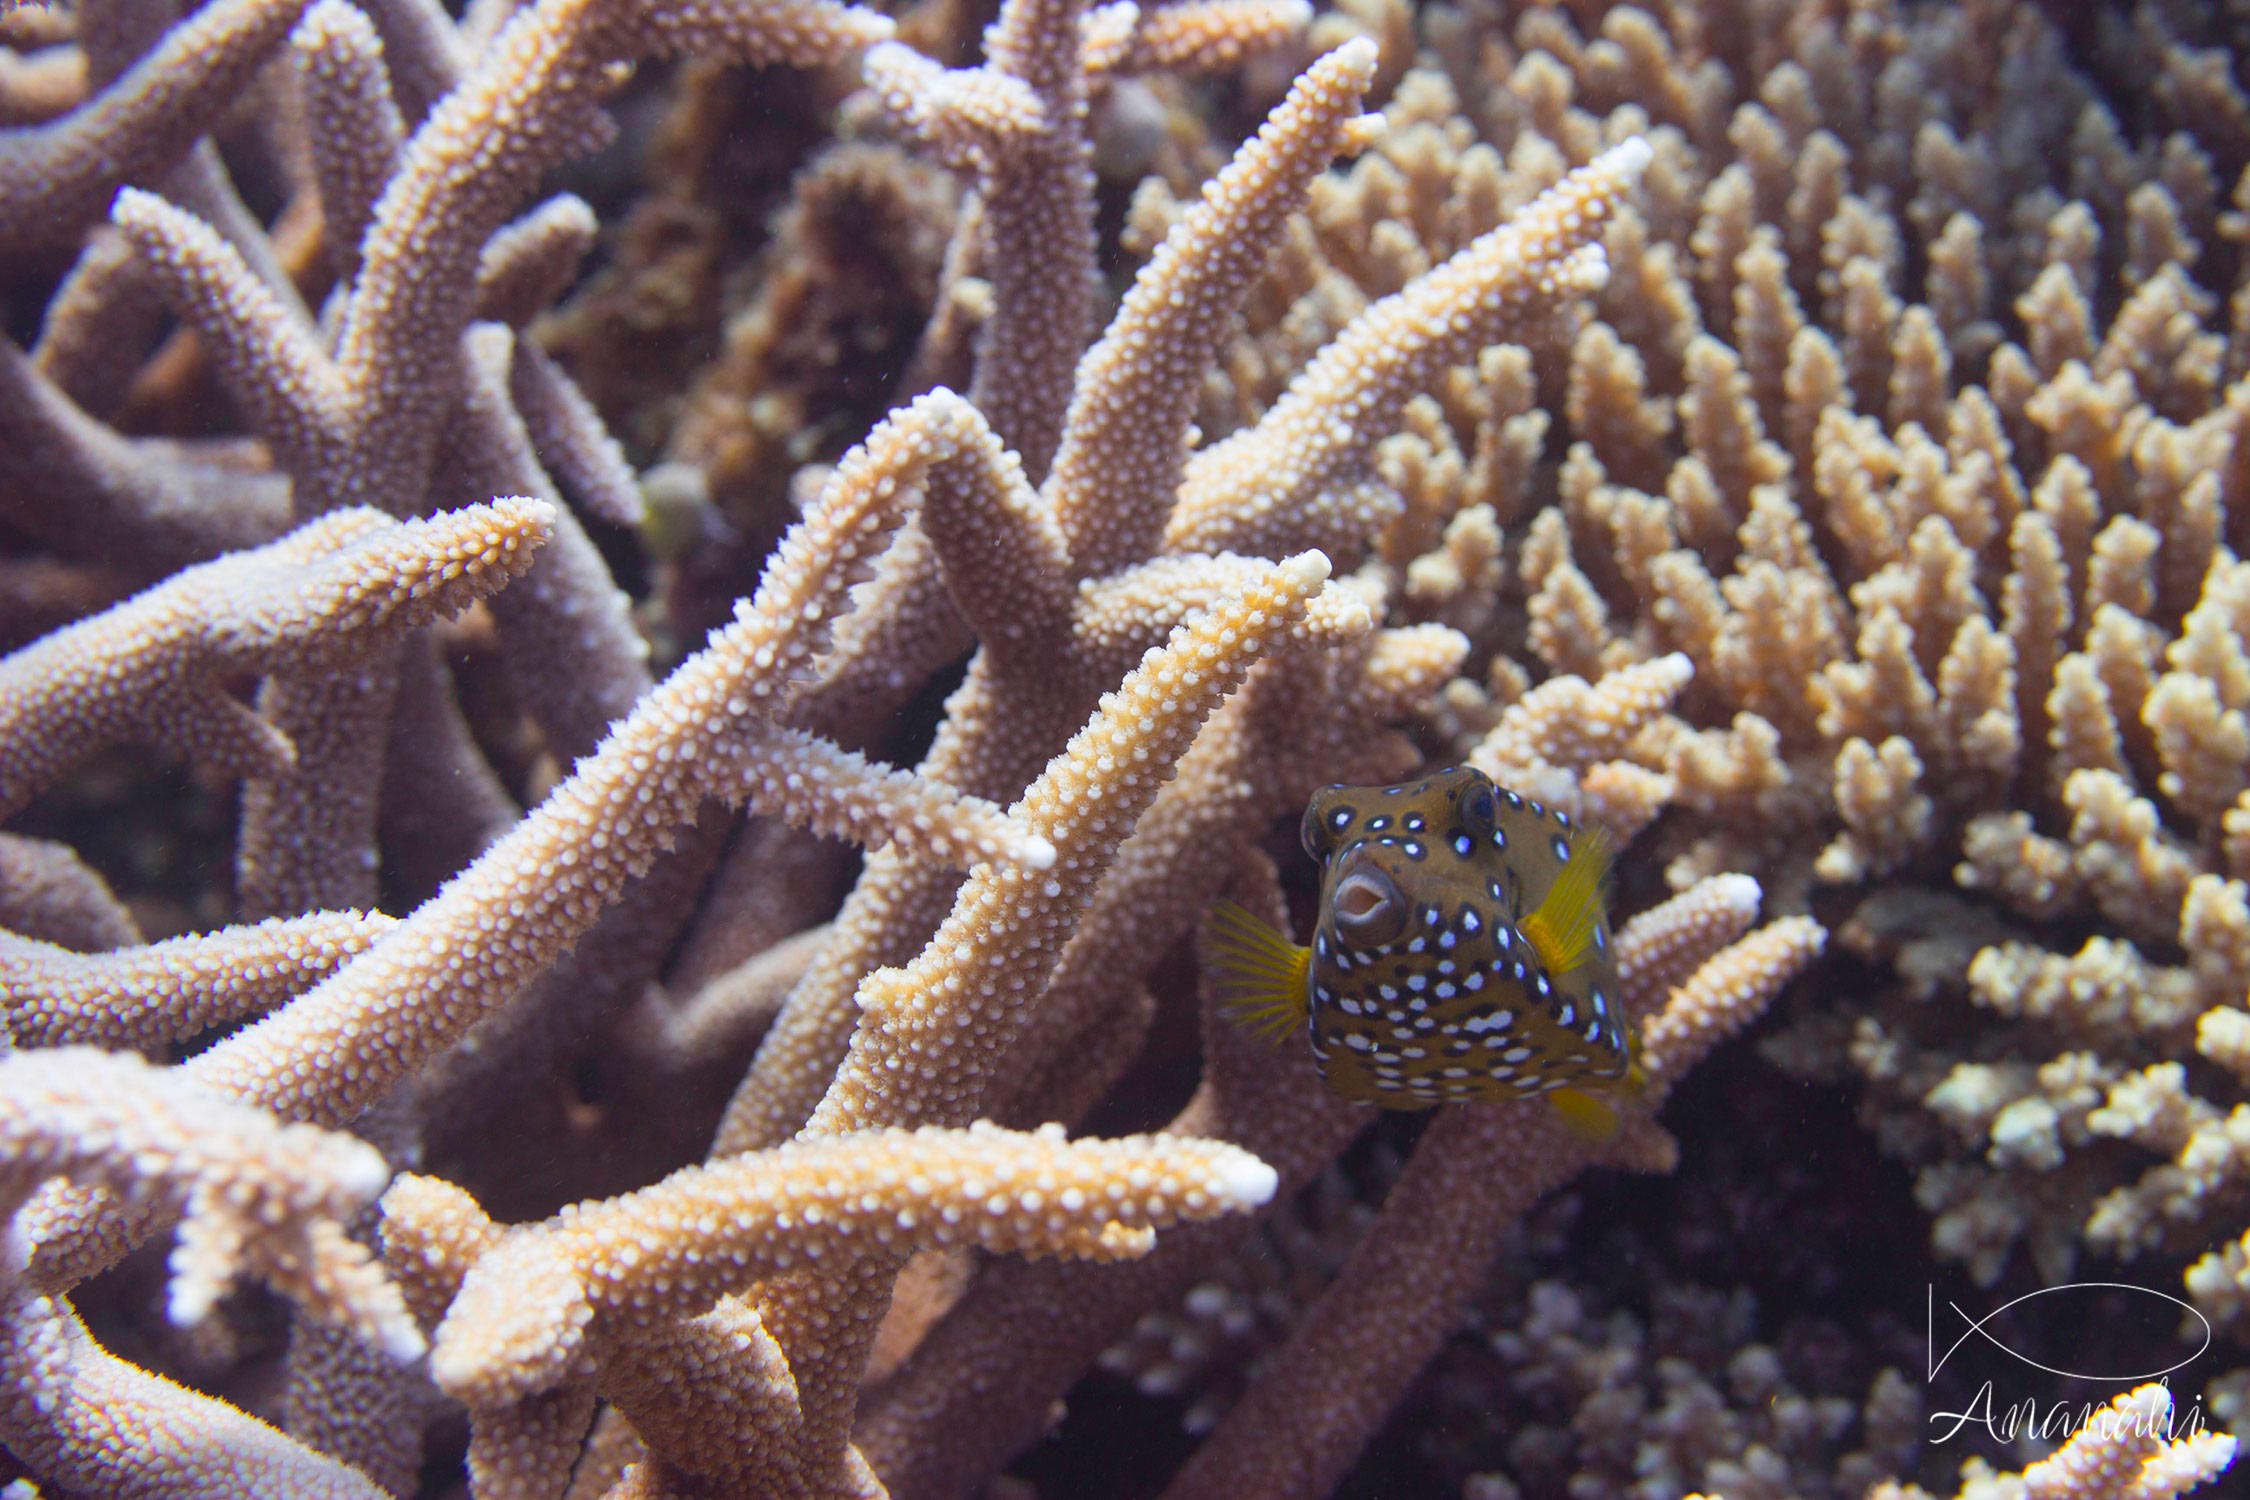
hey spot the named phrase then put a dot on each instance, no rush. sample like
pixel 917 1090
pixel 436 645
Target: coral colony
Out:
pixel 661 656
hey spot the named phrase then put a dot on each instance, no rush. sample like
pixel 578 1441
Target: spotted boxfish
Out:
pixel 1462 952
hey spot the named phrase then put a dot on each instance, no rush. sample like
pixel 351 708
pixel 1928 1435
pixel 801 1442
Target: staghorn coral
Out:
pixel 1614 452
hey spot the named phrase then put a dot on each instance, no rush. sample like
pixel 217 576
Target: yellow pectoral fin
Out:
pixel 1590 1118
pixel 1263 979
pixel 1562 929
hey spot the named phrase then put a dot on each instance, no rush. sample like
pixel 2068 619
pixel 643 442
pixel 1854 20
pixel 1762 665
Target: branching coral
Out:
pixel 541 1310
pixel 1859 533
pixel 254 1194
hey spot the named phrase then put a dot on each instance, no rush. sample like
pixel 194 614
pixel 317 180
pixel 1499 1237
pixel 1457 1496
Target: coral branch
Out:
pixel 158 667
pixel 256 1196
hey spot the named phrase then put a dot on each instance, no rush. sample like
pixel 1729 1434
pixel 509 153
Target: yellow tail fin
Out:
pixel 1264 980
pixel 1562 929
pixel 1589 1117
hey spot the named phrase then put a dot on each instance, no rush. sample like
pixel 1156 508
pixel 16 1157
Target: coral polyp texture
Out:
pixel 640 633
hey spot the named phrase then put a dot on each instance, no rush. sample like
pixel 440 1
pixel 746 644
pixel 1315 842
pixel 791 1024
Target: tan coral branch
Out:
pixel 160 666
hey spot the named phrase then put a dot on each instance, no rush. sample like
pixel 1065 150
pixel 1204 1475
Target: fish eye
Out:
pixel 1479 808
pixel 1324 822
pixel 1368 907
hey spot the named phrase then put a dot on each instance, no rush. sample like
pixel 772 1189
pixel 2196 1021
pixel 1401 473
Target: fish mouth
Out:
pixel 1366 905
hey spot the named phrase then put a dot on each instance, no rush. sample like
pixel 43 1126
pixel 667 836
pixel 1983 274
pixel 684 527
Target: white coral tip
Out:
pixel 1740 892
pixel 1245 1179
pixel 1630 157
pixel 1359 52
pixel 361 1172
pixel 402 1341
pixel 189 1299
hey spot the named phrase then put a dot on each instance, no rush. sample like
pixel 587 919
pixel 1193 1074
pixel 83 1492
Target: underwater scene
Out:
pixel 1153 750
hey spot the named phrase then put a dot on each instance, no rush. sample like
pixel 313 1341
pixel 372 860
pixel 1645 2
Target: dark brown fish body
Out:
pixel 1437 971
